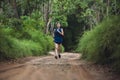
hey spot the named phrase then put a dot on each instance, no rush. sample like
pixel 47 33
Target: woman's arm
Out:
pixel 62 32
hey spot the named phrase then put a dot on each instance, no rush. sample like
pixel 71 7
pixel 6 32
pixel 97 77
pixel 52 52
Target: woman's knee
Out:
pixel 56 46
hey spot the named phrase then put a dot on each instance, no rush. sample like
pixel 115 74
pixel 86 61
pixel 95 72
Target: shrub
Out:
pixel 14 48
pixel 102 44
pixel 30 40
pixel 62 49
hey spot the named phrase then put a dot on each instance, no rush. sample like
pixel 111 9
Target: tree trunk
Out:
pixel 14 4
pixel 115 7
pixel 47 11
pixel 28 7
pixel 107 10
pixel 48 20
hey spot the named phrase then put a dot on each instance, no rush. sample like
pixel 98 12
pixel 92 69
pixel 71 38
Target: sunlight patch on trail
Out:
pixel 67 59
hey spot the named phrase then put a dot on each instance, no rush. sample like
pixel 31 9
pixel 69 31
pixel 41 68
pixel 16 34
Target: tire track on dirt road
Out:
pixel 69 67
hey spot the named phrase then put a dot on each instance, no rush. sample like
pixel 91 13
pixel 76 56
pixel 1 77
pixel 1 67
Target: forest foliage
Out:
pixel 100 43
pixel 22 31
pixel 25 39
pixel 91 26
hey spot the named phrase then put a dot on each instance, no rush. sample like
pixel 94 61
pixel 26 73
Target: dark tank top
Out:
pixel 56 33
pixel 57 36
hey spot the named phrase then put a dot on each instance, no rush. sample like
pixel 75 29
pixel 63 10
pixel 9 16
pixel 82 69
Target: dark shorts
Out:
pixel 58 40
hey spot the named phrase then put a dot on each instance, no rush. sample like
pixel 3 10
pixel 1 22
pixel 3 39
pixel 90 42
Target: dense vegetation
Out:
pixel 91 26
pixel 101 44
pixel 24 39
pixel 22 34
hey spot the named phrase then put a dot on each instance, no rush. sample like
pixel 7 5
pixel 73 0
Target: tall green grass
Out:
pixel 25 41
pixel 102 44
pixel 12 48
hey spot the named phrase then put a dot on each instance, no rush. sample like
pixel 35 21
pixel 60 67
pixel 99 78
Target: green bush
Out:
pixel 30 40
pixel 11 47
pixel 50 44
pixel 102 44
pixel 62 49
pixel 14 48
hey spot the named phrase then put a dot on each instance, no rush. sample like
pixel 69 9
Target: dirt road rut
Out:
pixel 69 67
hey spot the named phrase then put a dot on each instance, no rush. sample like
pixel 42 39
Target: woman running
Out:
pixel 58 39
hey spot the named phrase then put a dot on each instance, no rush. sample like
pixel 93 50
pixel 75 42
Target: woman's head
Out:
pixel 58 24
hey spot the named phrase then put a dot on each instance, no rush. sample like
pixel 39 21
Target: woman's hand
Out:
pixel 62 32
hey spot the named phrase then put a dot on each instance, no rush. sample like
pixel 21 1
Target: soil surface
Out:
pixel 68 67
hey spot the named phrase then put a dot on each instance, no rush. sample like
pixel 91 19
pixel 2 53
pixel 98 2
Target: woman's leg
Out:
pixel 56 49
pixel 59 50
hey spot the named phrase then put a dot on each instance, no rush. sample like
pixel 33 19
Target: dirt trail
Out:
pixel 69 67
